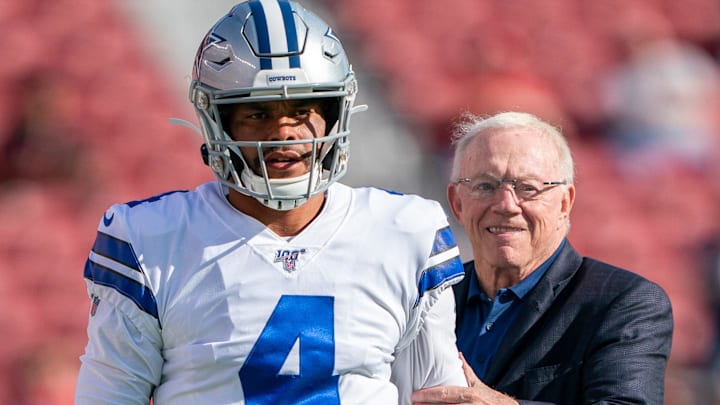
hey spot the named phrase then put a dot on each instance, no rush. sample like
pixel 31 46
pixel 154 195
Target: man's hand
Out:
pixel 477 393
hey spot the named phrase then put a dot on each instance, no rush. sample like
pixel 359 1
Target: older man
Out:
pixel 538 322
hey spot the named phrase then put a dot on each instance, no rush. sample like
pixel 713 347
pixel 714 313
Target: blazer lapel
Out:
pixel 537 303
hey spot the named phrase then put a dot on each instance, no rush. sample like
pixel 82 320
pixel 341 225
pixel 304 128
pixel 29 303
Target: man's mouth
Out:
pixel 503 229
pixel 285 160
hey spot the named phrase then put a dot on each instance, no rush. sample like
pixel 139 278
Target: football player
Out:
pixel 274 284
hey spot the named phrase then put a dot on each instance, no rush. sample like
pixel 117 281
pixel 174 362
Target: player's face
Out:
pixel 504 231
pixel 279 121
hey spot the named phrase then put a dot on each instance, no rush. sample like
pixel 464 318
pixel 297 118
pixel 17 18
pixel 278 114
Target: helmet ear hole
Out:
pixel 236 161
pixel 205 154
pixel 331 112
pixel 328 159
pixel 226 112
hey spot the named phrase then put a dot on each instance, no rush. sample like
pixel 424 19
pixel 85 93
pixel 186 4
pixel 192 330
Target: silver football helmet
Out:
pixel 265 50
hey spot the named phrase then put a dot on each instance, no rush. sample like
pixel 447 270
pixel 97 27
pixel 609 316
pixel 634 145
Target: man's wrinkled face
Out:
pixel 504 230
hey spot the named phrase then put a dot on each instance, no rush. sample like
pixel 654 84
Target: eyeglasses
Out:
pixel 486 188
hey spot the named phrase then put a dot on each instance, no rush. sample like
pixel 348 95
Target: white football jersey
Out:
pixel 193 302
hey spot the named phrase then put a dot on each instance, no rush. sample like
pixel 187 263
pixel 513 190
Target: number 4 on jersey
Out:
pixel 309 321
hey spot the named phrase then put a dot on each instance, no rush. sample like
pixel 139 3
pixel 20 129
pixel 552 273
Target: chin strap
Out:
pixel 184 123
pixel 196 129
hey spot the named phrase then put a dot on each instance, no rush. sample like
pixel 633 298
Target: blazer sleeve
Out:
pixel 628 354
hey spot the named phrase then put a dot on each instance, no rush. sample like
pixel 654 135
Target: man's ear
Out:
pixel 568 200
pixel 454 200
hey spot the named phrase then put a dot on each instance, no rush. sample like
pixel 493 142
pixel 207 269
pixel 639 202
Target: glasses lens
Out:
pixel 485 188
pixel 526 189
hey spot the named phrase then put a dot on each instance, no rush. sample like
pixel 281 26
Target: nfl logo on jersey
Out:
pixel 95 303
pixel 288 258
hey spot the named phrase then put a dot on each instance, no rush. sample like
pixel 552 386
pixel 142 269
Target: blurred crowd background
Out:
pixel 87 88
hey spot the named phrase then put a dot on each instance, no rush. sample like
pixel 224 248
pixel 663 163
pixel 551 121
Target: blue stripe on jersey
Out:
pixel 440 274
pixel 393 192
pixel 153 198
pixel 290 33
pixel 116 249
pixel 444 240
pixel 138 293
pixel 261 29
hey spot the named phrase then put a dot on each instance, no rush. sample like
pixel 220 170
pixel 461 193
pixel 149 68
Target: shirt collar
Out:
pixel 523 287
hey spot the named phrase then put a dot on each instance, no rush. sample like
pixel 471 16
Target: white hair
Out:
pixel 470 125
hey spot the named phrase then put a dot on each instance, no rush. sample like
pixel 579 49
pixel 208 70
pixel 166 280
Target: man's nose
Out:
pixel 285 128
pixel 506 200
pixel 507 188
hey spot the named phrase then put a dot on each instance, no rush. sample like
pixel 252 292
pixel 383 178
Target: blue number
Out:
pixel 309 320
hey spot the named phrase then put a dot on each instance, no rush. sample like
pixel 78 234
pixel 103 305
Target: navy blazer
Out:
pixel 588 333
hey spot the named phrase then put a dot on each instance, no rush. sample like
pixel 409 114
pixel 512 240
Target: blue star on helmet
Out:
pixel 213 38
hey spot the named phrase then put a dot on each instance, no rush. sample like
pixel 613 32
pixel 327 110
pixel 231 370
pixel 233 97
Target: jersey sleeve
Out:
pixel 122 362
pixel 427 354
pixel 431 358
